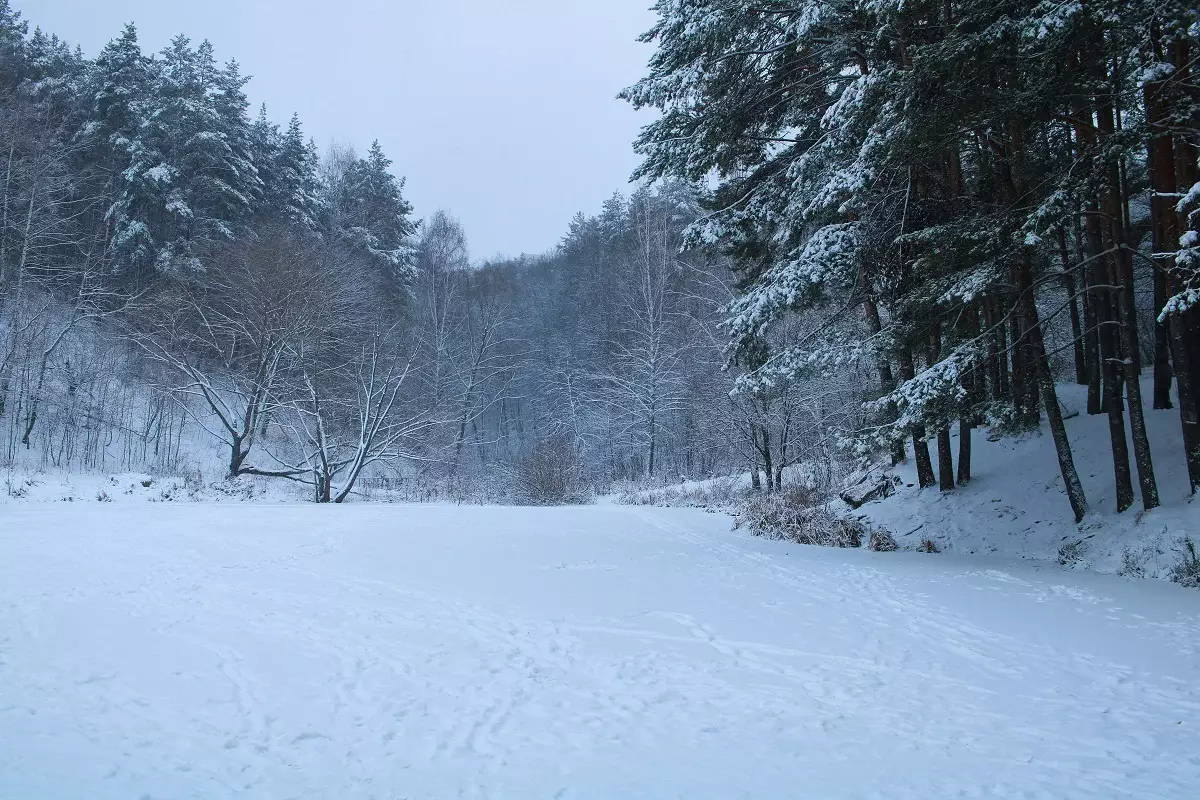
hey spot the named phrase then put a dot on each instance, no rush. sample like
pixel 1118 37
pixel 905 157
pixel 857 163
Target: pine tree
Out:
pixel 369 214
pixel 294 170
pixel 882 155
pixel 12 47
pixel 190 181
pixel 241 173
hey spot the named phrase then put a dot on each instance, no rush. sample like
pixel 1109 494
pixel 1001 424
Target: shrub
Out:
pixel 1132 564
pixel 720 494
pixel 780 516
pixel 102 497
pixel 1187 571
pixel 193 482
pixel 551 475
pixel 1070 552
pixel 881 542
pixel 928 546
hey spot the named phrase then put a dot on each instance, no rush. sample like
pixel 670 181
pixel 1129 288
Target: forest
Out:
pixel 848 449
pixel 858 228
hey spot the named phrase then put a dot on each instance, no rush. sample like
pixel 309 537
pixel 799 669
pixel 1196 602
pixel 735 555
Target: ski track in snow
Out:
pixel 428 652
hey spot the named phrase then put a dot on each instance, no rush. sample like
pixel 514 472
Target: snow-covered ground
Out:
pixel 275 651
pixel 1015 506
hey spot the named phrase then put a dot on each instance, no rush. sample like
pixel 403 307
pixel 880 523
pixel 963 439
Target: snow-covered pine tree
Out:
pixel 294 172
pixel 117 85
pixel 287 166
pixel 873 154
pixel 367 212
pixel 187 184
pixel 12 46
pixel 265 142
pixel 240 189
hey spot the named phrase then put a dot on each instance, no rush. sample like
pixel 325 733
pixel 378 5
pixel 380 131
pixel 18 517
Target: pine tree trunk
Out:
pixel 1184 328
pixel 1163 374
pixel 964 450
pixel 925 476
pixel 887 381
pixel 1016 371
pixel 1049 396
pixel 1116 413
pixel 1088 245
pixel 1024 379
pixel 945 453
pixel 1081 376
pixel 1110 358
pixel 1189 408
pixel 1091 346
pixel 1133 387
pixel 993 351
pixel 1164 229
pixel 1120 265
pixel 972 381
pixel 997 347
pixel 1026 307
pixel 945 460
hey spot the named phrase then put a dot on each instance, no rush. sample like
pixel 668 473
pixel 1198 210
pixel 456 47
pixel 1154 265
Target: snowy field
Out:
pixel 239 650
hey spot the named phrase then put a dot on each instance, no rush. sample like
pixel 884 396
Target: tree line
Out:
pixel 181 277
pixel 994 186
pixel 863 225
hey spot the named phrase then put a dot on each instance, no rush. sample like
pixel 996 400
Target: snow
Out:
pixel 160 173
pixel 1015 506
pixel 178 650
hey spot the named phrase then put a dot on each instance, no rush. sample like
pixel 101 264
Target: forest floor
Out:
pixel 387 651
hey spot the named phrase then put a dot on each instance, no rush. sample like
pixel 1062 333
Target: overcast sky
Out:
pixel 501 111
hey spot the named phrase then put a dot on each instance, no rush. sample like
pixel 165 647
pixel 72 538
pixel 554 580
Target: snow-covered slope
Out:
pixel 1015 505
pixel 371 651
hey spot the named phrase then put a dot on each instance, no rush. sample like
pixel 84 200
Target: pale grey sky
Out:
pixel 501 111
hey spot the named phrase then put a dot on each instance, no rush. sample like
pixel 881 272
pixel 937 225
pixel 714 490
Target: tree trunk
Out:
pixel 1115 408
pixel 1017 372
pixel 1095 364
pixel 653 444
pixel 1121 277
pixel 1088 244
pixel 1189 408
pixel 972 382
pixel 1110 358
pixel 887 381
pixel 964 450
pixel 1163 374
pixel 1058 428
pixel 237 457
pixel 945 460
pixel 925 476
pixel 1164 229
pixel 1133 386
pixel 997 347
pixel 765 451
pixel 1081 375
pixel 945 453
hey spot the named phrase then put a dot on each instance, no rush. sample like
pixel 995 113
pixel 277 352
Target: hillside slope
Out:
pixel 1015 504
